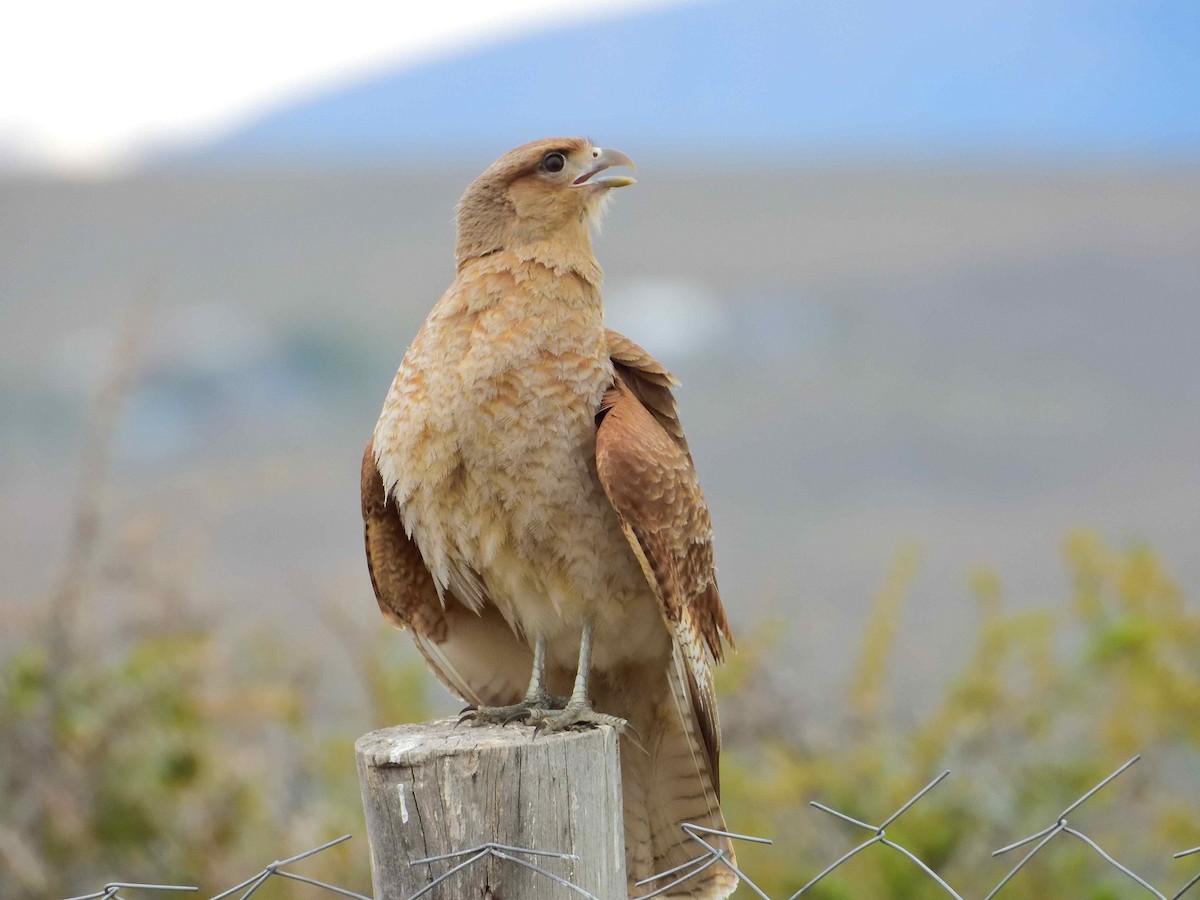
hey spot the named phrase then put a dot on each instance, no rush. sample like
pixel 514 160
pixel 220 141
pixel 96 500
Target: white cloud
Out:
pixel 87 85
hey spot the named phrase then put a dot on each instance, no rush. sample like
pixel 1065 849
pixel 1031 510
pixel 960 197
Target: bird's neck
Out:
pixel 535 287
pixel 563 245
pixel 563 258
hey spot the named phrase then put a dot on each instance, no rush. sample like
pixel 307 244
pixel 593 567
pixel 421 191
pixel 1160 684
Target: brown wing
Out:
pixel 475 655
pixel 647 473
pixel 649 381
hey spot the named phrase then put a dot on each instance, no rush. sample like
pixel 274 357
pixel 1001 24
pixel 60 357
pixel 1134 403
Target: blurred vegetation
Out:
pixel 171 754
pixel 175 753
pixel 177 756
pixel 1049 702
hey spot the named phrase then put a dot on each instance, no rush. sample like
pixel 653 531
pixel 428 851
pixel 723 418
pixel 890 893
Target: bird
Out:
pixel 532 513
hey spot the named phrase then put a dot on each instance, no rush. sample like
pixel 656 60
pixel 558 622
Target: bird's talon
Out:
pixel 573 718
pixel 528 710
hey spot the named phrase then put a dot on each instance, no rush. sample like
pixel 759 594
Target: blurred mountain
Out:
pixel 776 78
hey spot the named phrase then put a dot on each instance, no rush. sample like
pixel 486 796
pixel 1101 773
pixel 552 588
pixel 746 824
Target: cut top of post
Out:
pixel 418 743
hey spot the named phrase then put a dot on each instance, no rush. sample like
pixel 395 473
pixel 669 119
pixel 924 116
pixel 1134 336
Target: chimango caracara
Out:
pixel 532 513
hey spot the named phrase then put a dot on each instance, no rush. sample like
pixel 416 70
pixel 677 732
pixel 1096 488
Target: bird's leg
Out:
pixel 536 697
pixel 578 712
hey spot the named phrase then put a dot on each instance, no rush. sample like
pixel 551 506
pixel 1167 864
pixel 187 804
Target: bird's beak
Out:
pixel 606 159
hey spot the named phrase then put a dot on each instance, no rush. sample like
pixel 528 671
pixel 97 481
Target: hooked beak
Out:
pixel 606 159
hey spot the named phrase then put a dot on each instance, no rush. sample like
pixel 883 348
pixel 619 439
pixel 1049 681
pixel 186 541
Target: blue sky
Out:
pixel 778 78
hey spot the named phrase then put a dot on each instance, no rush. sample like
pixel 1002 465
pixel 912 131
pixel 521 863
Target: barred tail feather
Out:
pixel 667 784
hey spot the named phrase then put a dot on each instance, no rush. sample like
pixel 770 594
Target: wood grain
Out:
pixel 432 789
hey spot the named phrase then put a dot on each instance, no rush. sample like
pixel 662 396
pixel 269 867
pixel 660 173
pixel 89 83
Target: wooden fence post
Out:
pixel 434 789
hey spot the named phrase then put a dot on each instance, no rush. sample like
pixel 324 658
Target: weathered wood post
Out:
pixel 432 790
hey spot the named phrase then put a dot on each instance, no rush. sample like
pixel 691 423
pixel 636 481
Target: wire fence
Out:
pixel 112 890
pixel 707 856
pixel 713 855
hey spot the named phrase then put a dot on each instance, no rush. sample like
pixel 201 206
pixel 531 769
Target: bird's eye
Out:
pixel 553 162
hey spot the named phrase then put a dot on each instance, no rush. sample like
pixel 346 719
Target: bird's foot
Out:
pixel 531 708
pixel 572 717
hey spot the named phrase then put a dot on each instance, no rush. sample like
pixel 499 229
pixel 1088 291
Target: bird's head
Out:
pixel 548 190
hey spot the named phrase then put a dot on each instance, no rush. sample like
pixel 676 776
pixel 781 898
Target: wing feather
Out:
pixel 403 586
pixel 648 475
pixel 473 653
pixel 649 381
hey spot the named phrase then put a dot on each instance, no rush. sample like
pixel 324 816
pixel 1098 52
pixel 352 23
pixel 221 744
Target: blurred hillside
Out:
pixel 975 360
pixel 769 79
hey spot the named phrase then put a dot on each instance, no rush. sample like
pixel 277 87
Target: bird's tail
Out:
pixel 667 783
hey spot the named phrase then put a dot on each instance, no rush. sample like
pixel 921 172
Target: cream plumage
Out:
pixel 532 513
